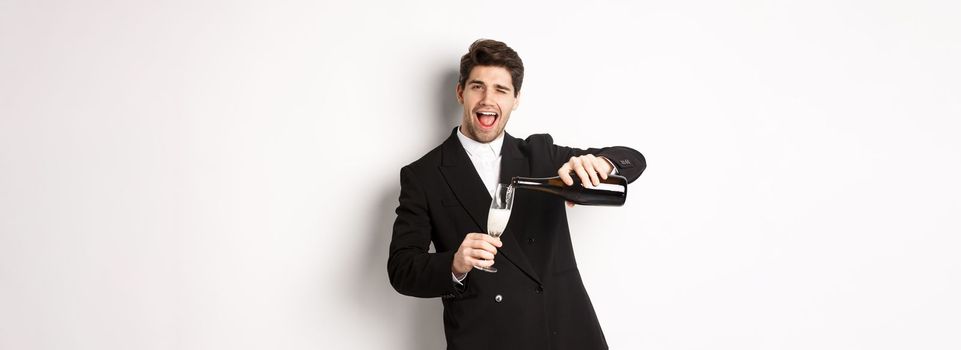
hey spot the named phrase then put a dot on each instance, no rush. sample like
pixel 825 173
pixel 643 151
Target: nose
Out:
pixel 488 99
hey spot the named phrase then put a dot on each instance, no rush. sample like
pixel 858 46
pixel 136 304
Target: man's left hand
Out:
pixel 588 168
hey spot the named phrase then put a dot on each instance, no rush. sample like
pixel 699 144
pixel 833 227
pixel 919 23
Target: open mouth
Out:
pixel 486 119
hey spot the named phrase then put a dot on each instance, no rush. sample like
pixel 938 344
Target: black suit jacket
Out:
pixel 536 300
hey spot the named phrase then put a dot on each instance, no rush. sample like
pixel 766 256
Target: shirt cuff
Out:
pixel 613 168
pixel 458 281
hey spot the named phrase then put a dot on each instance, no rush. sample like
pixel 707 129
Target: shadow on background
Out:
pixel 448 113
pixel 422 318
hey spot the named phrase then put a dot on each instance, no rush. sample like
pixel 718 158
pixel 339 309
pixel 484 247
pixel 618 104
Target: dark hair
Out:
pixel 486 52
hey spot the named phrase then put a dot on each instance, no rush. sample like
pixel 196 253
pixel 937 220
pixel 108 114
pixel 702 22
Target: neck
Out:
pixel 460 129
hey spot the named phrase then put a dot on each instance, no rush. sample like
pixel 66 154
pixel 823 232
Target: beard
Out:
pixel 476 132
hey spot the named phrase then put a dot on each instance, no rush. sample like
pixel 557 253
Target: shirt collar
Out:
pixel 473 148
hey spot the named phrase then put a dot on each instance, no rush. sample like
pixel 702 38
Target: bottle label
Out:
pixel 608 187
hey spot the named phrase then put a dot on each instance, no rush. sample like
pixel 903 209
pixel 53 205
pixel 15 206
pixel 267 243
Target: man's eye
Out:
pixel 475 87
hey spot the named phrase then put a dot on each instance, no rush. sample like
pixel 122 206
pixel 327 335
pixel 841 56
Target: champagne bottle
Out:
pixel 611 191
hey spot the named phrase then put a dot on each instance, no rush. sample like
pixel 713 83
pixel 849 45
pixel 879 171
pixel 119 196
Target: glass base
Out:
pixel 488 269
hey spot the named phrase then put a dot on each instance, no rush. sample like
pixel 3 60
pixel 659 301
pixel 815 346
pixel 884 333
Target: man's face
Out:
pixel 488 100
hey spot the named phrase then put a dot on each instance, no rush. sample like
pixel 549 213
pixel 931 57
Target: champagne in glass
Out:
pixel 499 214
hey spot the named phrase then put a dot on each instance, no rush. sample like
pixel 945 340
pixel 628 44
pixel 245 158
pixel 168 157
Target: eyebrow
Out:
pixel 496 86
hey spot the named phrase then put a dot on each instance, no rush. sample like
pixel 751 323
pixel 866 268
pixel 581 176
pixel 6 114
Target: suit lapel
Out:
pixel 464 181
pixel 470 191
pixel 513 163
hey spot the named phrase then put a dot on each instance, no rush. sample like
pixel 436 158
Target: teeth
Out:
pixel 488 113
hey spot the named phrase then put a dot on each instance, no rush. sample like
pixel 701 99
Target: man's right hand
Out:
pixel 477 249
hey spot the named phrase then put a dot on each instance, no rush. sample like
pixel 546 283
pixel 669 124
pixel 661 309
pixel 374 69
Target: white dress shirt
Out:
pixel 486 158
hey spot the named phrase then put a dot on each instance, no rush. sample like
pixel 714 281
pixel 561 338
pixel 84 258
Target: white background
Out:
pixel 222 174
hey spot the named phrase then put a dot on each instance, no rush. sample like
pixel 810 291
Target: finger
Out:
pixel 582 174
pixel 482 263
pixel 482 237
pixel 589 168
pixel 481 254
pixel 601 163
pixel 569 204
pixel 496 241
pixel 483 245
pixel 470 241
pixel 475 236
pixel 565 173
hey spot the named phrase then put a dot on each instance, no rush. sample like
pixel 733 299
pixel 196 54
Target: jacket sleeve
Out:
pixel 412 269
pixel 629 162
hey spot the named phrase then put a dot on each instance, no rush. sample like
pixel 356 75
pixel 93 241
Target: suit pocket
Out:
pixel 452 216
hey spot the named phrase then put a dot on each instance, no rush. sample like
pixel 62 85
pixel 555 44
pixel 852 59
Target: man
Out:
pixel 536 300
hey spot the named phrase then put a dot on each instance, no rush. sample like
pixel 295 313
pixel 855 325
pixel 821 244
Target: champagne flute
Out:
pixel 499 214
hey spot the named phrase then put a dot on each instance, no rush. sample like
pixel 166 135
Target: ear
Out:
pixel 517 102
pixel 459 90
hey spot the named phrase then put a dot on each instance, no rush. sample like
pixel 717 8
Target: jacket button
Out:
pixel 539 289
pixel 530 240
pixel 498 298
